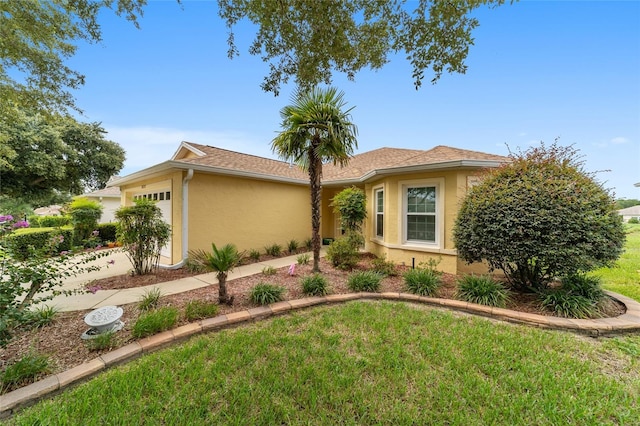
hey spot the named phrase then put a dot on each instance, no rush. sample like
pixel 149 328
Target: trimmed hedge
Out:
pixel 48 221
pixel 20 241
pixel 107 232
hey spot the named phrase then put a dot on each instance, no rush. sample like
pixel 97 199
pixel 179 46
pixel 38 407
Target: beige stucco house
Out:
pixel 209 194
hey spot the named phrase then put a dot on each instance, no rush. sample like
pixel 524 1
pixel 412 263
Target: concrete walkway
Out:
pixel 121 265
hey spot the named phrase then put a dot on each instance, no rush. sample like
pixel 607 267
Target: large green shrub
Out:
pixel 107 232
pixel 351 205
pixel 49 221
pixel 342 253
pixel 538 217
pixel 85 214
pixel 142 233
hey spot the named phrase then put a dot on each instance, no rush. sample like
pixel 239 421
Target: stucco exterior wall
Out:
pixel 246 212
pixel 453 187
pixel 109 207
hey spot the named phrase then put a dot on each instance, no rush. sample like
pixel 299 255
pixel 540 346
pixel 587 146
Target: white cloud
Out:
pixel 619 140
pixel 147 146
pixel 522 134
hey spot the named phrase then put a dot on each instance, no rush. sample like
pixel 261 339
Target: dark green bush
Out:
pixel 342 254
pixel 153 322
pixel 53 221
pixel 482 290
pixel 539 217
pixel 85 214
pixel 423 282
pixel 21 242
pixel 196 310
pixel 368 281
pixel 634 220
pixel 107 232
pixel 264 294
pixel 585 286
pixel 314 285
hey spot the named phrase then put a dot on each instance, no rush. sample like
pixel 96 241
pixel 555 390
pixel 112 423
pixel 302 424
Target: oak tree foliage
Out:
pixel 309 40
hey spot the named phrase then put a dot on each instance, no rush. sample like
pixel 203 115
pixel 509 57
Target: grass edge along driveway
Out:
pixel 366 362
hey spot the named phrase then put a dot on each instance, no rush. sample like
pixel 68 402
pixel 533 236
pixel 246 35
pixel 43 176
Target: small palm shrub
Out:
pixel 269 270
pixel 102 341
pixel 303 259
pixel 368 281
pixel 273 250
pixel 28 367
pixel 314 285
pixel 384 267
pixel 197 310
pixel 254 255
pixel 41 317
pixel 342 254
pixel 292 246
pixel 482 290
pixel 150 299
pixel 264 294
pixel 152 322
pixel 423 282
pixel 568 304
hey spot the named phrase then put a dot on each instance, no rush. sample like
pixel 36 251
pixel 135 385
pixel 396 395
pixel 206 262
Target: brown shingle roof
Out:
pixel 360 164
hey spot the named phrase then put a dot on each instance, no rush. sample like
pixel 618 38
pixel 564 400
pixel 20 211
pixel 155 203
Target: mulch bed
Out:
pixel 61 340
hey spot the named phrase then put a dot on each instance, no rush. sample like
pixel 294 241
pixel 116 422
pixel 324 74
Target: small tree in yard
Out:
pixel 351 205
pixel 222 261
pixel 539 217
pixel 143 233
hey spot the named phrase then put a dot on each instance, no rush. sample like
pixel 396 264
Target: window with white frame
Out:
pixel 421 210
pixel 379 211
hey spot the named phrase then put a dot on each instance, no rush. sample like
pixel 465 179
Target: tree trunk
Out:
pixel 223 298
pixel 315 176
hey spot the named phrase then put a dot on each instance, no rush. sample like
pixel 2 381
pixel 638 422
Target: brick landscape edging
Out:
pixel 51 385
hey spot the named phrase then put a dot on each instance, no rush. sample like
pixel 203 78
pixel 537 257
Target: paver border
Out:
pixel 20 398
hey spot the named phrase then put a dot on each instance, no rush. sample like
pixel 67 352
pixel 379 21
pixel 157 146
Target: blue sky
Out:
pixel 539 70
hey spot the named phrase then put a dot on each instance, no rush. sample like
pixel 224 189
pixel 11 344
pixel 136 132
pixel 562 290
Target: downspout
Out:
pixel 185 222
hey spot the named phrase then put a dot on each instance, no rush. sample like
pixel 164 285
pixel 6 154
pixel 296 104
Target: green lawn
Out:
pixel 624 278
pixel 366 363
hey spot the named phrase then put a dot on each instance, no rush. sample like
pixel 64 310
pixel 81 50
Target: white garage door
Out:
pixel 163 201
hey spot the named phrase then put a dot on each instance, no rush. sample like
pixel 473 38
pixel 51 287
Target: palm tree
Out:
pixel 222 261
pixel 316 130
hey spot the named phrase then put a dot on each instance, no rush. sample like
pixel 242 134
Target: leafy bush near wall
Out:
pixel 48 221
pixel 20 241
pixel 107 231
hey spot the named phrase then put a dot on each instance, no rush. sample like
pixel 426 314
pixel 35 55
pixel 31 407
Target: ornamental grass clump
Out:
pixel 421 281
pixel 274 250
pixel 150 299
pixel 482 290
pixel 26 368
pixel 265 294
pixel 197 310
pixel 367 281
pixel 568 304
pixel 315 285
pixel 153 322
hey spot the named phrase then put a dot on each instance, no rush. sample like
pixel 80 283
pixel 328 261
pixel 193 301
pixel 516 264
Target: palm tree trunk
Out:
pixel 315 176
pixel 223 298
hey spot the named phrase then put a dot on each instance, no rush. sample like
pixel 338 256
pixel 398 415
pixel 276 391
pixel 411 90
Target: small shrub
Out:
pixel 26 368
pixel 264 294
pixel 314 285
pixel 303 259
pixel 107 232
pixel 273 250
pixel 384 267
pixel 308 243
pixel 342 254
pixel 53 221
pixel 150 299
pixel 423 282
pixel 269 270
pixel 102 341
pixel 196 310
pixel 585 286
pixel 634 220
pixel 292 246
pixel 482 290
pixel 153 322
pixel 41 317
pixel 254 255
pixel 368 281
pixel 567 304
